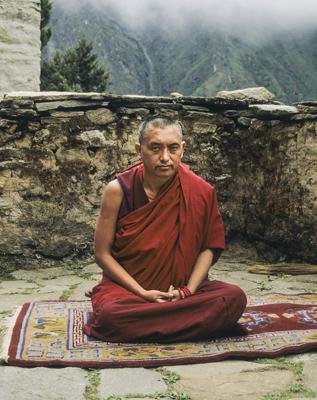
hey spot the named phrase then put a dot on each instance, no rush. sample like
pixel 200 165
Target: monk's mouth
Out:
pixel 164 166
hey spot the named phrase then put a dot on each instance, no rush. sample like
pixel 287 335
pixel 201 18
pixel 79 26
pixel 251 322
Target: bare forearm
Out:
pixel 200 270
pixel 118 274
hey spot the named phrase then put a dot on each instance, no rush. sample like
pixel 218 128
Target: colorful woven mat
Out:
pixel 49 333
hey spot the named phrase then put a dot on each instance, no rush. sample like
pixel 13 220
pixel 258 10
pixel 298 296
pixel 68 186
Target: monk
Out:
pixel 157 235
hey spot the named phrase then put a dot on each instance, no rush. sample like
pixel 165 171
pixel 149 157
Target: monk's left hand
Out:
pixel 175 296
pixel 156 296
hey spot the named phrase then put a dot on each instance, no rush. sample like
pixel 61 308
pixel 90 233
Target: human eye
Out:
pixel 174 148
pixel 155 148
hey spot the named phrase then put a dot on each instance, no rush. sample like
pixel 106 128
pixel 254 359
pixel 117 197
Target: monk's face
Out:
pixel 161 151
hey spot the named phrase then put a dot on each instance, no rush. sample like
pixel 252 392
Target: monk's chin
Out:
pixel 165 172
pixel 168 168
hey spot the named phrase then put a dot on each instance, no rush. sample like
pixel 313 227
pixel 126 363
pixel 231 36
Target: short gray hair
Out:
pixel 160 122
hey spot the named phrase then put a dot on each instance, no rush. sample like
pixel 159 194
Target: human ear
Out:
pixel 138 149
pixel 183 147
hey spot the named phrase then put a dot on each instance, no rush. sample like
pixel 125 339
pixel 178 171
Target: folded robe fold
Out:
pixel 158 244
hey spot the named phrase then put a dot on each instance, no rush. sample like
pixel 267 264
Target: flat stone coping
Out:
pixel 129 98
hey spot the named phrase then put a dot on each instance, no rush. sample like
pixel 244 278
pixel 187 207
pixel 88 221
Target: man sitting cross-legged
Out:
pixel 158 233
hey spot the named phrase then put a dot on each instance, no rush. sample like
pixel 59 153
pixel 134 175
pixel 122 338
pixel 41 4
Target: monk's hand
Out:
pixel 174 294
pixel 156 296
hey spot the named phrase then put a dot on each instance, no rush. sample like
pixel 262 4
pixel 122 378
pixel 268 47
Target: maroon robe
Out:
pixel 158 243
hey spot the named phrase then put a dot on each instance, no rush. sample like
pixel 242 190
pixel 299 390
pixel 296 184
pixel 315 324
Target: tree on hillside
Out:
pixel 76 69
pixel 46 32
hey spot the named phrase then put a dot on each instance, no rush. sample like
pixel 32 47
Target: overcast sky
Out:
pixel 247 15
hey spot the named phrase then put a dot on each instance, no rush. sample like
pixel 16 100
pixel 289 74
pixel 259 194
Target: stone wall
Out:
pixel 19 45
pixel 59 150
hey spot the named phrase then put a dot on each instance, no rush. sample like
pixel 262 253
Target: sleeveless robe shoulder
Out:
pixel 134 195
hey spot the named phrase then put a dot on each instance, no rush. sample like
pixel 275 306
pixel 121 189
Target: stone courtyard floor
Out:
pixel 272 379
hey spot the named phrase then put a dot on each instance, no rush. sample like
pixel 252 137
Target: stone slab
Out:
pixel 93 268
pixel 42 273
pixel 52 95
pixel 273 110
pixel 312 103
pixel 189 100
pixel 17 287
pixel 310 374
pixel 79 292
pixel 256 94
pixel 65 104
pixel 303 117
pixel 42 383
pixel 120 382
pixel 11 302
pixel 221 380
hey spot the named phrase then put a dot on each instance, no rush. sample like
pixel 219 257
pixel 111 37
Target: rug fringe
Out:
pixel 8 325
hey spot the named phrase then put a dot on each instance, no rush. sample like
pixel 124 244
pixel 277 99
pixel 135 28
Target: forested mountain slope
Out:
pixel 117 47
pixel 193 61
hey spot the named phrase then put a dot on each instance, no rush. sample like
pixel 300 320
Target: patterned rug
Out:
pixel 49 333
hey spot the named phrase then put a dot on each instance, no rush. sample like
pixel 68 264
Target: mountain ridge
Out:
pixel 192 61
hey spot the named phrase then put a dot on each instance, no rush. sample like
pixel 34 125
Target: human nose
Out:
pixel 165 155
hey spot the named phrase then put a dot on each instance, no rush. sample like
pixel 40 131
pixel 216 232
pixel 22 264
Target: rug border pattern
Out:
pixel 16 346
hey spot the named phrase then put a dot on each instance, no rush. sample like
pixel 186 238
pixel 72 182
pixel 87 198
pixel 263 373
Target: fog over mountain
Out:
pixel 196 47
pixel 242 17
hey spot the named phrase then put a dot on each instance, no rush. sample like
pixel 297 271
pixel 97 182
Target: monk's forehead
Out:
pixel 169 134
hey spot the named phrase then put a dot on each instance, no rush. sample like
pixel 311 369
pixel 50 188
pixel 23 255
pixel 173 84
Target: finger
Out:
pixel 171 296
pixel 160 301
pixel 165 295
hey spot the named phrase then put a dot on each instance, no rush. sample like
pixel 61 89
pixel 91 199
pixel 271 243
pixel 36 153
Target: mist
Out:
pixel 245 18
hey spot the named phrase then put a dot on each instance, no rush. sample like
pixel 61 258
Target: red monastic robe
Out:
pixel 158 243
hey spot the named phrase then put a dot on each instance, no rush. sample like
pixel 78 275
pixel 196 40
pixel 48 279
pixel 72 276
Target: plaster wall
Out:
pixel 19 45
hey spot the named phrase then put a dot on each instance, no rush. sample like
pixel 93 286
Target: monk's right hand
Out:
pixel 156 296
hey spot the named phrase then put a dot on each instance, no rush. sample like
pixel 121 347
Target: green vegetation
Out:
pixel 36 282
pixel 168 376
pixel 68 292
pixel 6 313
pixel 129 396
pixel 73 267
pixel 91 390
pixel 195 61
pixel 78 270
pixel 6 269
pixel 169 395
pixel 87 275
pixel 46 31
pixel 6 275
pixel 264 285
pixel 77 69
pixel 297 388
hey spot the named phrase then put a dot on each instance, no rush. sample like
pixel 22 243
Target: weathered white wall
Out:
pixel 20 47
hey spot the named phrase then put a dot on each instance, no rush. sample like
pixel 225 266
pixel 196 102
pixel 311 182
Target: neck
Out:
pixel 154 184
